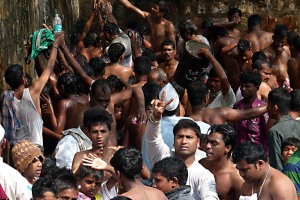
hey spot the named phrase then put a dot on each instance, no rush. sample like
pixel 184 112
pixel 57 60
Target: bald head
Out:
pixel 158 76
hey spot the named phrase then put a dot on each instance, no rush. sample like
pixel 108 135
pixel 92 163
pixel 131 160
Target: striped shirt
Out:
pixel 292 170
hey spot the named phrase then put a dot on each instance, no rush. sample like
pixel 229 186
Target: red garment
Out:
pixel 3 196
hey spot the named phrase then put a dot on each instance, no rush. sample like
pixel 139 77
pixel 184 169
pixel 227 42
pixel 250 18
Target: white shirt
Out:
pixel 13 183
pixel 67 148
pixel 223 101
pixel 202 181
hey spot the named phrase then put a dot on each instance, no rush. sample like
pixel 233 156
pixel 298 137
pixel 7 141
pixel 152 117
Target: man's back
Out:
pixel 145 193
pixel 76 105
pixel 30 119
pixel 259 39
pixel 123 73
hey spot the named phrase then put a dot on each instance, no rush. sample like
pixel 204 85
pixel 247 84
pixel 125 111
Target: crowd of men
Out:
pixel 188 113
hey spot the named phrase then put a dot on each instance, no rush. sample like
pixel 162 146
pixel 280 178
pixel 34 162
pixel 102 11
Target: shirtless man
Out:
pixel 278 52
pixel 262 181
pixel 223 46
pixel 199 97
pixel 188 31
pixel 116 55
pixel 168 52
pixel 88 42
pixel 234 18
pixel 220 143
pixel 70 108
pixel 161 29
pixel 258 38
pixel 294 65
pixel 99 131
pixel 128 163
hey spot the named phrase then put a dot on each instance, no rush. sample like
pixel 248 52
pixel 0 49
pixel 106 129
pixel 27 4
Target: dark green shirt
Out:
pixel 284 128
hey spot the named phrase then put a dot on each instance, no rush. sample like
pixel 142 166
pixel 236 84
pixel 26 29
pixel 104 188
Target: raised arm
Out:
pixel 87 27
pixel 124 95
pixel 225 86
pixel 134 9
pixel 76 66
pixel 36 88
pixel 155 144
pixel 233 115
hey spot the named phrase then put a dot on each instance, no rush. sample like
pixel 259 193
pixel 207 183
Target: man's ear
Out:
pixel 259 164
pixel 228 149
pixel 174 182
pixel 276 108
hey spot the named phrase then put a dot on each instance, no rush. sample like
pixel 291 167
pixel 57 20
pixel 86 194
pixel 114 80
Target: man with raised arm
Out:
pixel 186 141
pixel 161 29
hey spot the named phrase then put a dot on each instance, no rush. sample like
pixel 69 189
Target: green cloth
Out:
pixel 41 40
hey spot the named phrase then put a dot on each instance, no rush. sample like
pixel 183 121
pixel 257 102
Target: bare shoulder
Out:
pixel 276 183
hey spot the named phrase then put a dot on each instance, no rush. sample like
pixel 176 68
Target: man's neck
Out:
pixel 170 62
pixel 248 101
pixel 189 160
pixel 218 165
pixel 129 184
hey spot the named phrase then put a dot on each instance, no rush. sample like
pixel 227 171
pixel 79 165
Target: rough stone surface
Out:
pixel 19 18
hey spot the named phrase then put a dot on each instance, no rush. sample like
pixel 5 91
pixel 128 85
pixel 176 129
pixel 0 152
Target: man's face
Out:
pixel 90 186
pixel 68 194
pixel 168 52
pixel 155 11
pixel 235 17
pixel 248 90
pixel 99 135
pixel 287 151
pixel 162 183
pixel 246 55
pixel 186 142
pixel 215 147
pixel 214 84
pixel 279 42
pixel 249 172
pixel 265 73
pixel 34 169
pixel 101 97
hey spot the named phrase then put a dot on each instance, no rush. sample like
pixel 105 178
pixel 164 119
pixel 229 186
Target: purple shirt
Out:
pixel 254 129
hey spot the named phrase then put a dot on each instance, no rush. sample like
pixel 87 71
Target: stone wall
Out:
pixel 19 18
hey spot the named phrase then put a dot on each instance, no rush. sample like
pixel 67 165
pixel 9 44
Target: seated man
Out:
pixel 261 180
pixel 170 176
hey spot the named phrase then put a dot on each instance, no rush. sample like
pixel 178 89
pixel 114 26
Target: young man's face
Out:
pixel 279 42
pixel 186 142
pixel 287 152
pixel 214 84
pixel 271 110
pixel 162 183
pixel 248 90
pixel 249 172
pixel 155 11
pixel 265 72
pixel 99 135
pixel 68 194
pixel 215 147
pixel 168 52
pixel 34 169
pixel 90 186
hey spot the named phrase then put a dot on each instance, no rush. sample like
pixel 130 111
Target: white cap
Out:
pixel 1 133
pixel 170 94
